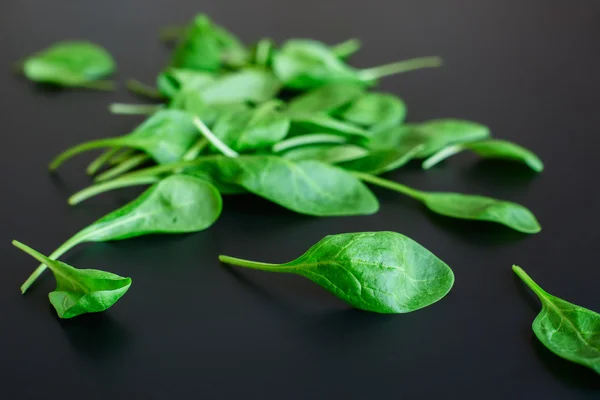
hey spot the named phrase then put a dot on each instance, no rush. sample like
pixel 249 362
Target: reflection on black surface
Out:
pixel 500 172
pixel 571 374
pixel 97 336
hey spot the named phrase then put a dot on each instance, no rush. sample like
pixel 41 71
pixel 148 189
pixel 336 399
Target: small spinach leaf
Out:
pixel 465 206
pixel 314 122
pixel 74 63
pixel 329 154
pixel 376 111
pixel 306 140
pixel 379 161
pixel 382 272
pixel 568 330
pixel 500 149
pixel 173 80
pixel 306 187
pixel 80 291
pixel 247 85
pixel 165 136
pixel 176 204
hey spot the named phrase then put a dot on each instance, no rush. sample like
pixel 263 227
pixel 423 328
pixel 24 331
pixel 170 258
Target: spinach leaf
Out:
pixel 253 129
pixel 263 52
pixel 465 206
pixel 329 154
pixel 173 80
pixel 500 149
pixel 376 111
pixel 247 85
pixel 438 134
pixel 176 204
pixel 306 187
pixel 206 47
pixel 72 63
pixel 568 330
pixel 193 103
pixel 80 291
pixel 379 161
pixel 383 272
pixel 326 99
pixel 306 64
pixel 165 136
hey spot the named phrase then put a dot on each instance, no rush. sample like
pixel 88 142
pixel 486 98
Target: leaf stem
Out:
pixel 28 250
pixel 80 148
pixel 541 293
pixel 215 141
pixel 107 86
pixel 196 149
pixel 441 155
pixel 347 48
pixel 103 187
pixel 263 51
pixel 374 73
pixel 251 264
pixel 95 165
pixel 317 138
pixel 133 109
pixel 144 90
pixel 385 183
pixel 66 246
pixel 124 155
pixel 125 166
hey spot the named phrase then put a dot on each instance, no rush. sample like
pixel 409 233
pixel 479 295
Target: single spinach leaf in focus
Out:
pixel 247 85
pixel 568 330
pixel 500 149
pixel 379 161
pixel 383 272
pixel 80 291
pixel 306 187
pixel 326 99
pixel 206 47
pixel 176 204
pixel 174 80
pixel 165 136
pixel 376 111
pixel 465 206
pixel 306 64
pixel 438 134
pixel 73 64
pixel 249 130
pixel 327 153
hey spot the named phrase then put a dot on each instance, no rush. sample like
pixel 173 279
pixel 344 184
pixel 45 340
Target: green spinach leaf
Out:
pixel 165 136
pixel 379 161
pixel 464 206
pixel 80 291
pixel 247 85
pixel 176 204
pixel 315 122
pixel 308 140
pixel 376 111
pixel 326 99
pixel 382 272
pixel 173 80
pixel 568 330
pixel 500 149
pixel 329 154
pixel 72 63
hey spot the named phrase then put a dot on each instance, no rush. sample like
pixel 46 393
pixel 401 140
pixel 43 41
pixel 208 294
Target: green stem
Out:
pixel 441 155
pixel 263 51
pixel 347 48
pixel 66 246
pixel 107 86
pixel 101 160
pixel 80 148
pixel 541 293
pixel 252 264
pixel 133 109
pixel 125 166
pixel 398 187
pixel 303 140
pixel 375 73
pixel 170 168
pixel 215 141
pixel 124 155
pixel 142 89
pixel 103 187
pixel 196 149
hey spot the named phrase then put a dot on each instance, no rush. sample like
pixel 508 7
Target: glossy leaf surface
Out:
pixel 326 99
pixel 383 272
pixel 376 111
pixel 379 161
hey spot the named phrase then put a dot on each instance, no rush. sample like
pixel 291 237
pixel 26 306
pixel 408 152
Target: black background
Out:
pixel 190 327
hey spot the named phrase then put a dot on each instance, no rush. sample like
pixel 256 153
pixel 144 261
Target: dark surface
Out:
pixel 191 328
